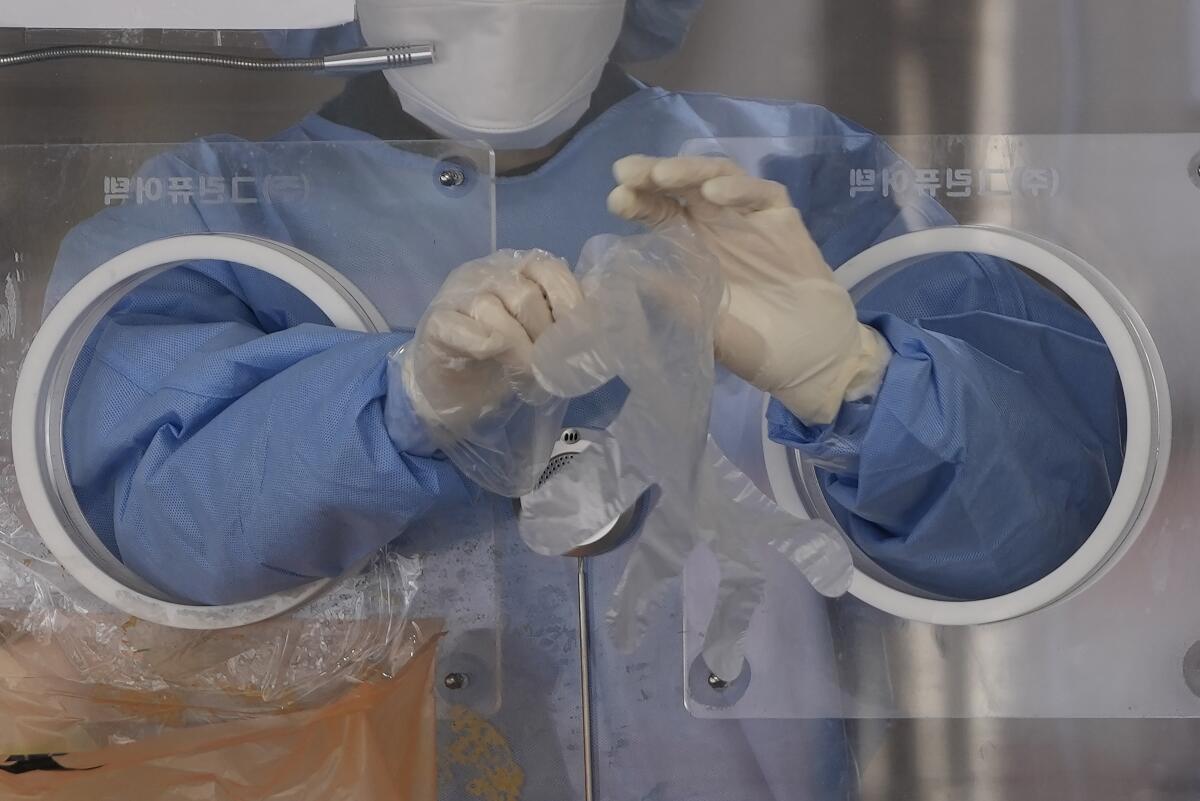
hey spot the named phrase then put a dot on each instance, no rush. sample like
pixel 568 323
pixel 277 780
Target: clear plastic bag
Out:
pixel 376 741
pixel 648 317
pixel 55 631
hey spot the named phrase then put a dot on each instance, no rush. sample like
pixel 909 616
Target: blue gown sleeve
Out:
pixel 994 444
pixel 222 438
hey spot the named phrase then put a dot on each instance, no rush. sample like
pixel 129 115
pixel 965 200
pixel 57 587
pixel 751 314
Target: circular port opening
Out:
pixel 37 416
pixel 797 487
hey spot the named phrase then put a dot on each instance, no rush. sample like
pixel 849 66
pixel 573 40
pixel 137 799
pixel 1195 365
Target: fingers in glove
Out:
pixel 525 301
pixel 739 594
pixel 745 193
pixel 685 176
pixel 558 285
pixel 634 172
pixel 459 334
pixel 654 190
pixel 691 172
pixel 489 310
pixel 648 208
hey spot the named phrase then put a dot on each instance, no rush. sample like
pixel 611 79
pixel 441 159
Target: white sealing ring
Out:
pixel 1147 438
pixel 41 391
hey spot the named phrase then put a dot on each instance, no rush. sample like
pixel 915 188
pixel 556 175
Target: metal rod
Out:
pixel 408 55
pixel 585 682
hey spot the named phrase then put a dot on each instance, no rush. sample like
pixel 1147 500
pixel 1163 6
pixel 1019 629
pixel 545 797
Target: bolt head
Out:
pixel 450 178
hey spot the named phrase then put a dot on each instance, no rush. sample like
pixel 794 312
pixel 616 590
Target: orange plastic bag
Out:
pixel 376 741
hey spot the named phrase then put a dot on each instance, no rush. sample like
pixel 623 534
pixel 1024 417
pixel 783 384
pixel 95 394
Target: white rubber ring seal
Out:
pixel 1147 421
pixel 337 298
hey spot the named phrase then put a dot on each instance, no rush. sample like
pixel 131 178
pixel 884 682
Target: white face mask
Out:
pixel 514 73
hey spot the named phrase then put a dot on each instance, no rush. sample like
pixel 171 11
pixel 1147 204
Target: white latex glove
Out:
pixel 785 326
pixel 471 353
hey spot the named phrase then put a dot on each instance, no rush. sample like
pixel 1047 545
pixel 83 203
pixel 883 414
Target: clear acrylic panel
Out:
pixel 1122 641
pixel 392 217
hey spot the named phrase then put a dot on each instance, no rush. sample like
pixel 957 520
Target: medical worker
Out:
pixel 226 443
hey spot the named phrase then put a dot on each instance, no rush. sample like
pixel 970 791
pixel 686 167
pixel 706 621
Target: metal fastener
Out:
pixel 1191 668
pixel 716 682
pixel 452 177
pixel 455 681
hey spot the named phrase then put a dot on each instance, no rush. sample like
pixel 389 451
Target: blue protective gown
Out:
pixel 226 443
pixel 219 435
pixel 988 456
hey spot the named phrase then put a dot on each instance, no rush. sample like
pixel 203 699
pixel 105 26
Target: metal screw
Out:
pixel 716 682
pixel 1191 668
pixel 1193 169
pixel 452 177
pixel 455 681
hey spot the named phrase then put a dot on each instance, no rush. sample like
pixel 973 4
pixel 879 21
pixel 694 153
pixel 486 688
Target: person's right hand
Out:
pixel 471 353
pixel 785 325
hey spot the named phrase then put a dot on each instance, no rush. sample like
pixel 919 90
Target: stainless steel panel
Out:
pixel 905 66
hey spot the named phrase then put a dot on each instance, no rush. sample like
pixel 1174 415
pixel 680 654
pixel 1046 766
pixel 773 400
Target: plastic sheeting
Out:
pixel 352 633
pixel 645 325
pixel 650 305
pixel 377 741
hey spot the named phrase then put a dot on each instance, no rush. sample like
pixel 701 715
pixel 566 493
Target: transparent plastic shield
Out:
pixel 1103 224
pixel 391 218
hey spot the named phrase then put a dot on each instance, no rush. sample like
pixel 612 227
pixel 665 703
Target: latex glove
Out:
pixel 785 326
pixel 470 357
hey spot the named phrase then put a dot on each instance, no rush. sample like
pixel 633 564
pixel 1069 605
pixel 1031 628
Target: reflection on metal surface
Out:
pixel 585 680
pixel 1026 760
pixel 922 66
pixel 971 66
pixel 378 58
pixel 985 66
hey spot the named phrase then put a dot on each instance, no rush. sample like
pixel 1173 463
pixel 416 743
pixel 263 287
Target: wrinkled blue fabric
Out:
pixel 651 29
pixel 995 443
pixel 963 512
pixel 225 443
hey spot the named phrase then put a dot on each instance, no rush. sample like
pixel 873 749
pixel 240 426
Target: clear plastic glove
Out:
pixel 785 326
pixel 649 312
pixel 467 370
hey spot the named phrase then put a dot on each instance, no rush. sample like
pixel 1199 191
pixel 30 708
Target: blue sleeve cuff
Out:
pixel 833 446
pixel 407 431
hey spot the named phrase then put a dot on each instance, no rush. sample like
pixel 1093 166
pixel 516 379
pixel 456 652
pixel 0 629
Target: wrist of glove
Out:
pixel 856 376
pixel 786 326
pixel 812 368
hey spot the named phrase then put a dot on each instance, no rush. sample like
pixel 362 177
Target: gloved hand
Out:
pixel 471 354
pixel 785 326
